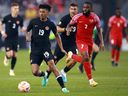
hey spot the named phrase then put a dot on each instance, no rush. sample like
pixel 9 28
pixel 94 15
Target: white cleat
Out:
pixel 11 73
pixel 63 74
pixel 69 56
pixel 6 61
pixel 93 83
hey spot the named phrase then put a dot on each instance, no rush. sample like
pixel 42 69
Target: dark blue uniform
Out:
pixel 40 43
pixel 11 28
pixel 68 42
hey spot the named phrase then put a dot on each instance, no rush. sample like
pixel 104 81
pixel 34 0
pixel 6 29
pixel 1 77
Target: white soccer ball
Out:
pixel 24 86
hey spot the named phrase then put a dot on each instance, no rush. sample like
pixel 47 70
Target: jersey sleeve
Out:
pixel 30 26
pixel 110 21
pixel 125 21
pixel 75 19
pixel 62 23
pixel 97 22
pixel 53 28
pixel 3 20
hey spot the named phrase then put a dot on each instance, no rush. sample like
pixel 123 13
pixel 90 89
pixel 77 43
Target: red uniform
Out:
pixel 85 26
pixel 116 26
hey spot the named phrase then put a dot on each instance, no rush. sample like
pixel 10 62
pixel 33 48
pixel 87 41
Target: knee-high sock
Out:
pixel 94 54
pixel 117 56
pixel 13 62
pixel 113 54
pixel 77 58
pixel 87 68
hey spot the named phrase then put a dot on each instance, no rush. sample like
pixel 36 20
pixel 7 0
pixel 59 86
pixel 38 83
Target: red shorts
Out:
pixel 84 47
pixel 116 41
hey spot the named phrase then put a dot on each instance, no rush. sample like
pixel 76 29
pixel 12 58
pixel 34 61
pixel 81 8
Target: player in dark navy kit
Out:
pixel 40 44
pixel 12 23
pixel 67 41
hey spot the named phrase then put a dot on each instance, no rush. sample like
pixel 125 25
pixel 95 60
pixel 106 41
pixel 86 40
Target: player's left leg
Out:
pixel 94 54
pixel 118 48
pixel 53 68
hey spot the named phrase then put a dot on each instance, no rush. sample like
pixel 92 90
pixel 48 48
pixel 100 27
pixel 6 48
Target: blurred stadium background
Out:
pixel 103 8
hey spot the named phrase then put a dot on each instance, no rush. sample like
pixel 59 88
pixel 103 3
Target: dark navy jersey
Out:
pixel 67 40
pixel 11 25
pixel 40 33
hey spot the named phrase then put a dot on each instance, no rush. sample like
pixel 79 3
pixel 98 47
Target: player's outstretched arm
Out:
pixel 58 39
pixel 101 38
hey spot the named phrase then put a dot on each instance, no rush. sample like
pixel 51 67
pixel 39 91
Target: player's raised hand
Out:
pixel 68 30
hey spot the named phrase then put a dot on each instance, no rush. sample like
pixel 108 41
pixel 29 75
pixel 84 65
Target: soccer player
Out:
pixel 116 24
pixel 85 22
pixel 67 41
pixel 95 50
pixel 12 23
pixel 40 44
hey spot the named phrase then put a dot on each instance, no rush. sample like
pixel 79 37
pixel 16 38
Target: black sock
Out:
pixel 93 57
pixel 81 66
pixel 42 74
pixel 66 69
pixel 60 81
pixel 49 72
pixel 13 62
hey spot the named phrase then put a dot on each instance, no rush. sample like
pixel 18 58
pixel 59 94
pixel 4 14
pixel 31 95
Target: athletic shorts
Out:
pixel 59 55
pixel 84 47
pixel 38 56
pixel 116 41
pixel 11 44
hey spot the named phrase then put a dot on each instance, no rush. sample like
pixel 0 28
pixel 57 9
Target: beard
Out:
pixel 86 13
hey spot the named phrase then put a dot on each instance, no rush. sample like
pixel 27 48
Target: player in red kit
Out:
pixel 85 22
pixel 116 24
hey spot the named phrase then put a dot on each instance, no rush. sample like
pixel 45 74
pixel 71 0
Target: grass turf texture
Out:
pixel 112 81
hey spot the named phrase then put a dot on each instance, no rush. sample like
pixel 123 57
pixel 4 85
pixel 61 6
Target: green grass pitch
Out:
pixel 112 81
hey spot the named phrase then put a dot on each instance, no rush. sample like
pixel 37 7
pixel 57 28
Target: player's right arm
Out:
pixel 61 27
pixel 3 33
pixel 73 21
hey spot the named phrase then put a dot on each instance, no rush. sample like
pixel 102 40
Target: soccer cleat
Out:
pixel 63 74
pixel 65 90
pixel 11 73
pixel 93 83
pixel 69 56
pixel 6 61
pixel 45 79
pixel 80 68
pixel 116 64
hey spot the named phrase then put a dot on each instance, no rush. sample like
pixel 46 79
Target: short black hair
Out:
pixel 88 3
pixel 14 4
pixel 74 4
pixel 118 8
pixel 45 6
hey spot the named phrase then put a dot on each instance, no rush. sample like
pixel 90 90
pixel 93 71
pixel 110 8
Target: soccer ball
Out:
pixel 24 86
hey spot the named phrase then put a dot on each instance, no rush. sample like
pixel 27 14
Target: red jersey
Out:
pixel 116 26
pixel 85 26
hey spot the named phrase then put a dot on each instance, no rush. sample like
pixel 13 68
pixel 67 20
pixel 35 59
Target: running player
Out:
pixel 116 24
pixel 40 44
pixel 86 22
pixel 12 23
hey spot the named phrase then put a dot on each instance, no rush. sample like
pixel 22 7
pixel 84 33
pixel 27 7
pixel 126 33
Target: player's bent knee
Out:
pixel 35 72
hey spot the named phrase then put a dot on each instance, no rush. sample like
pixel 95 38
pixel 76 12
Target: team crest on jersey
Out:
pixel 91 20
pixel 17 22
pixel 46 28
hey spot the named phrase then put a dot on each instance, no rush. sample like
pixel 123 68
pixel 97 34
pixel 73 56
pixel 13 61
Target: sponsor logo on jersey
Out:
pixel 46 28
pixel 17 22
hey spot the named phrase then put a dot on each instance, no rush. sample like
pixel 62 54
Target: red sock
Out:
pixel 112 53
pixel 117 56
pixel 87 68
pixel 77 58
